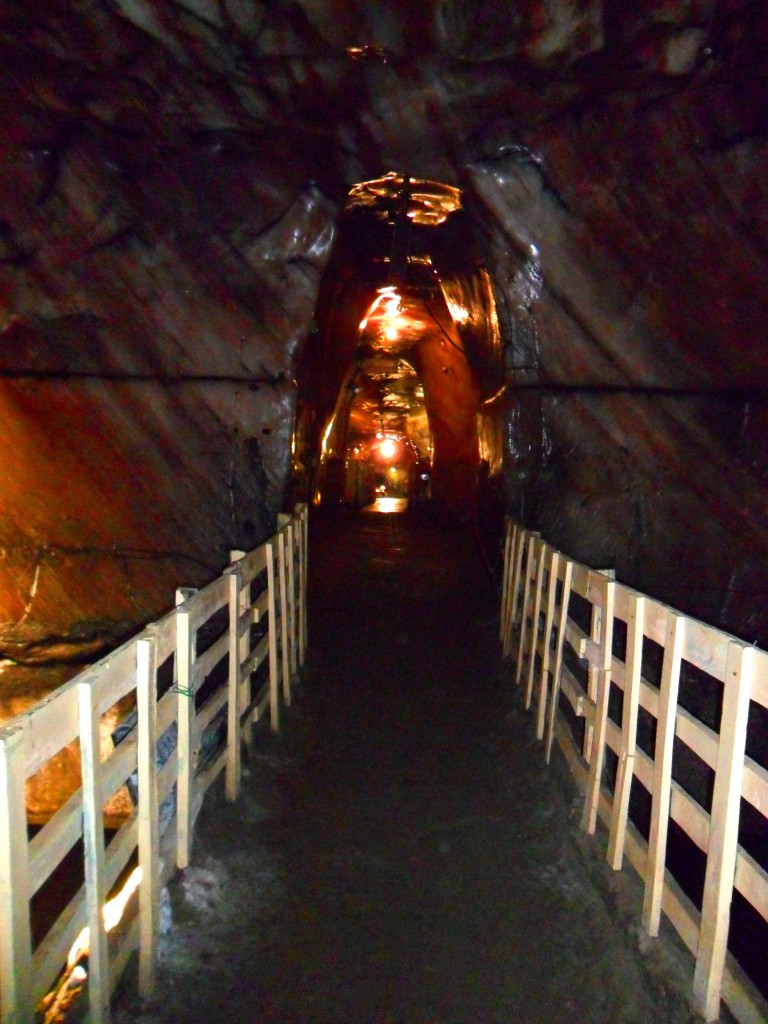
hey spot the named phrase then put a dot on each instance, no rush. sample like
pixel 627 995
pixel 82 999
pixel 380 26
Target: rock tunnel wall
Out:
pixel 171 178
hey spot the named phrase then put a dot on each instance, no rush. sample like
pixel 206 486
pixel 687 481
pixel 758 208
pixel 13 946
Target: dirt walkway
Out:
pixel 401 853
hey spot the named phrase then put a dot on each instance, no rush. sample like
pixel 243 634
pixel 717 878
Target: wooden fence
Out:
pixel 226 657
pixel 603 666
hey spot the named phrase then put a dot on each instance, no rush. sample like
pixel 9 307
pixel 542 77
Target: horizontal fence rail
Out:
pixel 606 667
pixel 186 692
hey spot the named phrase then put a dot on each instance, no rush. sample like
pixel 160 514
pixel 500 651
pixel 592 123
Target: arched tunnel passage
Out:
pixel 405 351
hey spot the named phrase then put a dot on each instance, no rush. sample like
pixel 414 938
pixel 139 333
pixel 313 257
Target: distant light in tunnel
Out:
pixel 388 448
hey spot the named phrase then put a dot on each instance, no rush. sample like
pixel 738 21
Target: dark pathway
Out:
pixel 401 853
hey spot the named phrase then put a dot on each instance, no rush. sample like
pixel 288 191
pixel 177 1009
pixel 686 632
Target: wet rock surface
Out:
pixel 402 853
pixel 171 180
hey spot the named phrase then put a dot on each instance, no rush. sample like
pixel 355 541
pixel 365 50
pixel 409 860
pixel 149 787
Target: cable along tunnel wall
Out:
pixel 227 656
pixel 584 646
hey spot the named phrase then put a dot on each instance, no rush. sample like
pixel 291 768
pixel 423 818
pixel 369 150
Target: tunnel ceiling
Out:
pixel 173 175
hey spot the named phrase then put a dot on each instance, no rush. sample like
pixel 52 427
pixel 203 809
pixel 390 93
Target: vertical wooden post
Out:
pixel 184 746
pixel 553 567
pixel 304 578
pixel 723 832
pixel 284 618
pixel 290 544
pixel 517 554
pixel 535 614
pixel 232 774
pixel 15 930
pixel 662 773
pixel 630 704
pixel 93 844
pixel 562 621
pixel 148 820
pixel 605 658
pixel 529 566
pixel 274 661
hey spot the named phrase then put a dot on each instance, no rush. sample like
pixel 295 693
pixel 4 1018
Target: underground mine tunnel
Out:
pixel 509 258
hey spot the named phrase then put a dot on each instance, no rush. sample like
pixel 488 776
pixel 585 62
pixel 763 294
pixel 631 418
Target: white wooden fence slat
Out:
pixel 185 751
pixel 238 648
pixel 274 661
pixel 147 813
pixel 604 591
pixel 557 672
pixel 93 843
pixel 15 929
pixel 723 833
pixel 662 773
pixel 626 769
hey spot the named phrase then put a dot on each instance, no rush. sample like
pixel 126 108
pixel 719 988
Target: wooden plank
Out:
pixel 93 843
pixel 724 833
pixel 754 787
pixel 699 737
pixel 538 588
pixel 206 714
pixel 577 638
pixel 185 750
pixel 252 564
pixel 256 657
pixel 274 641
pixel 206 602
pixel 260 704
pixel 208 776
pixel 237 596
pixel 15 928
pixel 530 575
pixel 304 514
pixel 751 880
pixel 121 958
pixel 119 765
pixel 553 566
pixel 54 840
pixel 601 592
pixel 51 955
pixel 662 775
pixel 147 811
pixel 284 618
pixel 290 550
pixel 51 725
pixel 706 648
pixel 114 676
pixel 572 690
pixel 209 659
pixel 760 679
pixel 565 572
pixel 635 619
pixel 521 540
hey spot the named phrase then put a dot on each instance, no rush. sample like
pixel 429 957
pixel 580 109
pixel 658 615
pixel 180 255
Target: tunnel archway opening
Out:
pixel 404 352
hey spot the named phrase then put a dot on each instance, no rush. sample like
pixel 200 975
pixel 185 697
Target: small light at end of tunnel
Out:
pixel 388 448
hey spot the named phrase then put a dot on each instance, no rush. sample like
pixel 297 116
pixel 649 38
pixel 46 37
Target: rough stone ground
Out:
pixel 401 853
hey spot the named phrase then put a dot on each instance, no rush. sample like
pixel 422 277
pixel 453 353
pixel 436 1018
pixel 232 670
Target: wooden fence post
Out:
pixel 540 547
pixel 285 619
pixel 184 747
pixel 15 928
pixel 148 814
pixel 516 570
pixel 723 832
pixel 603 672
pixel 529 561
pixel 562 621
pixel 553 567
pixel 290 544
pixel 630 704
pixel 662 773
pixel 93 844
pixel 274 661
pixel 236 646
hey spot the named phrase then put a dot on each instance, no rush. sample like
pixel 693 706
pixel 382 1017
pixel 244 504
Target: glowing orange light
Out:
pixel 388 448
